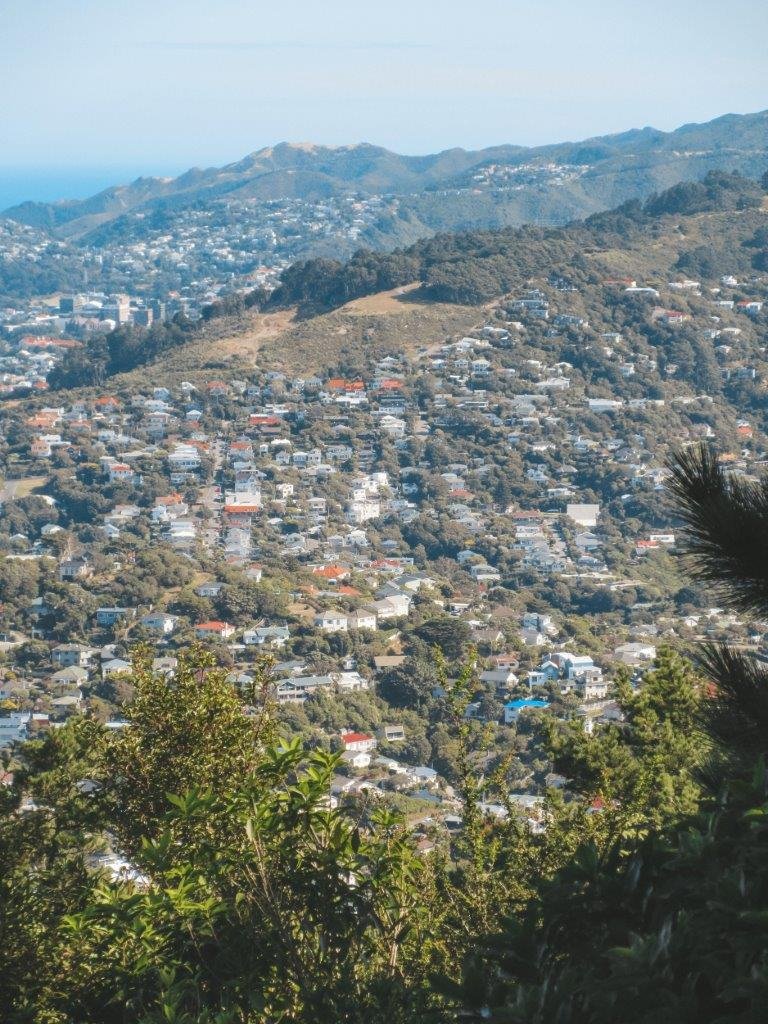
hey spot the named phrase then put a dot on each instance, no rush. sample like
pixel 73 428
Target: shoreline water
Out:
pixel 45 185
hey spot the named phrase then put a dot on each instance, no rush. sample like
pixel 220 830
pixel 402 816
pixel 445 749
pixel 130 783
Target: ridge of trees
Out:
pixel 466 268
pixel 128 346
pixel 475 266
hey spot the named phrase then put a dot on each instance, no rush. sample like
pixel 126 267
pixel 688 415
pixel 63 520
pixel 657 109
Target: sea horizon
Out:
pixel 47 184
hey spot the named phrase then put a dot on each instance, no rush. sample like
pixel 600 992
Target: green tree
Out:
pixel 451 636
pixel 248 897
pixel 644 767
pixel 667 923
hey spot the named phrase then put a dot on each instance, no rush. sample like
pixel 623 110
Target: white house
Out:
pixel 13 727
pixel 635 654
pixel 271 636
pixel 393 607
pixel 583 515
pixel 331 621
pixel 357 759
pixel 358 741
pixel 500 677
pixel 362 619
pixel 159 622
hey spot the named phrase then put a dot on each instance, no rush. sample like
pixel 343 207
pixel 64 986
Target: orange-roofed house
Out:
pixel 644 547
pixel 340 384
pixel 266 424
pixel 221 630
pixel 240 516
pixel 43 421
pixel 120 472
pixel 242 508
pixel 331 573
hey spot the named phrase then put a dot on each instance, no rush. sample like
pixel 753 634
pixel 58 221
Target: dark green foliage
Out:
pixel 448 635
pixel 474 266
pixel 726 518
pixel 675 932
pixel 718 191
pixel 705 261
pixel 121 350
pixel 670 926
pixel 252 900
pixel 410 685
pixel 646 763
pixel 319 284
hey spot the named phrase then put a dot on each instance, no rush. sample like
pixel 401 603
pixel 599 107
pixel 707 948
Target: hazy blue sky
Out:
pixel 98 88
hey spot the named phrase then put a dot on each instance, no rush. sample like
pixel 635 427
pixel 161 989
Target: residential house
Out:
pixel 358 741
pixel 514 708
pixel 361 619
pixel 393 733
pixel 115 667
pixel 635 654
pixel 268 636
pixel 330 621
pixel 13 727
pixel 159 622
pixel 357 759
pixel 214 630
pixel 106 617
pixel 75 568
pixel 393 607
pixel 67 655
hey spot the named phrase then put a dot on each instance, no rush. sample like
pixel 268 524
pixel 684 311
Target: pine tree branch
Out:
pixel 735 714
pixel 726 527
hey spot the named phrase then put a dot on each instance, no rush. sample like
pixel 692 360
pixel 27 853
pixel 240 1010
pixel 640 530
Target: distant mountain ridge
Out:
pixel 494 187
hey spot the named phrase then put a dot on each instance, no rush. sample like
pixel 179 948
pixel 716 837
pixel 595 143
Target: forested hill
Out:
pixel 702 230
pixel 473 267
pixel 452 190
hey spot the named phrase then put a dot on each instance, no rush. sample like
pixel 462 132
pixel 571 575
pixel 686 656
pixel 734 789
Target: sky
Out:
pixel 96 92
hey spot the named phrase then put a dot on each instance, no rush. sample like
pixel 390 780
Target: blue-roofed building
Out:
pixel 514 708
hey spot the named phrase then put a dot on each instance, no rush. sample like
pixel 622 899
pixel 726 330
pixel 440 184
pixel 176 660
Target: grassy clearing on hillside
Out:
pixel 26 486
pixel 246 346
pixel 345 339
pixel 392 301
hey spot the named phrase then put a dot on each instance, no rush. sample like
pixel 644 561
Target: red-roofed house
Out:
pixel 332 573
pixel 222 630
pixel 121 472
pixel 359 741
pixel 643 547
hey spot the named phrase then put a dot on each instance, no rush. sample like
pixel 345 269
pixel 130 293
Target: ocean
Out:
pixel 45 184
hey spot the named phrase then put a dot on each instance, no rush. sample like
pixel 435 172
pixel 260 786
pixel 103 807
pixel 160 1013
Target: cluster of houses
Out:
pixel 313 482
pixel 198 256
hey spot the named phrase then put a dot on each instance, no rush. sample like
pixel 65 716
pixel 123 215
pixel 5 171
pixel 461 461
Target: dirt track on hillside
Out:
pixel 246 345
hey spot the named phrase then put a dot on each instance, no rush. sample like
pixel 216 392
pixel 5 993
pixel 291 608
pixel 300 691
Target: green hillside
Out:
pixel 707 228
pixel 473 267
pixel 452 190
